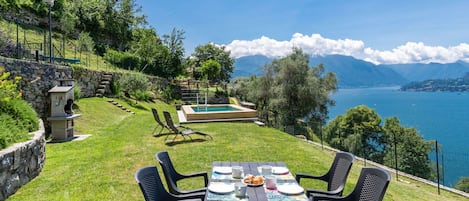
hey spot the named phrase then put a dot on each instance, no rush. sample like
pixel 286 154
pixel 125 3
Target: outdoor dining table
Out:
pixel 257 193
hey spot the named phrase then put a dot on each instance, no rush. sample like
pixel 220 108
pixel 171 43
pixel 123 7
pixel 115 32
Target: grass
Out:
pixel 31 34
pixel 102 167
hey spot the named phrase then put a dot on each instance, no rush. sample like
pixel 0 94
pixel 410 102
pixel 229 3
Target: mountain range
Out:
pixel 354 73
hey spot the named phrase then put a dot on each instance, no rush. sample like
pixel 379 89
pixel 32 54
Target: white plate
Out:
pixel 221 188
pixel 290 189
pixel 280 170
pixel 222 170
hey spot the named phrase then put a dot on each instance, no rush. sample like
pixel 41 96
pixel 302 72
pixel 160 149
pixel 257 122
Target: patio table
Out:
pixel 260 193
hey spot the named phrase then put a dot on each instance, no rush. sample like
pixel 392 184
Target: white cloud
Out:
pixel 411 52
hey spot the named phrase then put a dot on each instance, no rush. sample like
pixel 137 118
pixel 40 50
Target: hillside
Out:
pixel 453 85
pixel 351 71
pixel 102 166
pixel 420 72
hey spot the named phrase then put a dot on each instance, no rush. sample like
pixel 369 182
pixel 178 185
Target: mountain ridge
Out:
pixel 355 73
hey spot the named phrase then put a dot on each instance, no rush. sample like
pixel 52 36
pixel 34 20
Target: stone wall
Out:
pixel 37 78
pixel 21 162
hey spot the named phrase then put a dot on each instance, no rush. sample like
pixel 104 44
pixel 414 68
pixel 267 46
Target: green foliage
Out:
pixel 210 69
pixel 360 131
pixel 170 92
pixel 85 42
pixel 10 132
pixel 132 82
pixel 412 150
pixel 17 118
pixel 77 92
pixel 115 88
pixel 143 95
pixel 124 60
pixel 463 184
pixel 22 111
pixel 288 90
pixel 8 88
pixel 102 166
pixel 210 51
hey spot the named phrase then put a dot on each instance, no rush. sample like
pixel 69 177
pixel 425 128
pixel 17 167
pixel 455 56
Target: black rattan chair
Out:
pixel 335 177
pixel 172 176
pixel 371 186
pixel 153 190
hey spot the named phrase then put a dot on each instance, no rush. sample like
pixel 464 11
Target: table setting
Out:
pixel 253 181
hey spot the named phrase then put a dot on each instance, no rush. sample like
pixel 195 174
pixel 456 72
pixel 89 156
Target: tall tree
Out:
pixel 174 43
pixel 359 132
pixel 412 150
pixel 216 53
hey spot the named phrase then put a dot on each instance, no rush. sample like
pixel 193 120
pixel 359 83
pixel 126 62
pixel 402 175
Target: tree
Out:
pixel 210 69
pixel 175 52
pixel 412 150
pixel 359 132
pixel 216 53
pixel 290 89
pixel 463 184
pixel 86 44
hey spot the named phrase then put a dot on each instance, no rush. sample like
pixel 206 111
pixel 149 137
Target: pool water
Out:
pixel 214 109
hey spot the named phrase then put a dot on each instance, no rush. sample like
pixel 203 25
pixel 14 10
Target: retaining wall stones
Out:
pixel 37 78
pixel 22 162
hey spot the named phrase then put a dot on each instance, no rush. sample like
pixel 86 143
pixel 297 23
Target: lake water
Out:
pixel 442 116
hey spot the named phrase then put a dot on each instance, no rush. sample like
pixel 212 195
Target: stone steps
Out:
pixel 104 84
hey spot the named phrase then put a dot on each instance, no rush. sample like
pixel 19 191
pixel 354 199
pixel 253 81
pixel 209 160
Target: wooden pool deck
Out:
pixel 183 120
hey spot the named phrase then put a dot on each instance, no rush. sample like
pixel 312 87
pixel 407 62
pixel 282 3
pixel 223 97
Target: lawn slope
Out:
pixel 102 167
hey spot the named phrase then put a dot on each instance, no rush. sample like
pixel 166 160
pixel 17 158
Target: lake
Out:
pixel 441 116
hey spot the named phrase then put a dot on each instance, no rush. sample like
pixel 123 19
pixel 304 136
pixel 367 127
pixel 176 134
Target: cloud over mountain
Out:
pixel 315 44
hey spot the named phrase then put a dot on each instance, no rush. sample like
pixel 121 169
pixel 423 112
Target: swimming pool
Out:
pixel 217 112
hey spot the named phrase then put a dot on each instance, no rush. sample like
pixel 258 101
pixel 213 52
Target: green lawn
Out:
pixel 102 166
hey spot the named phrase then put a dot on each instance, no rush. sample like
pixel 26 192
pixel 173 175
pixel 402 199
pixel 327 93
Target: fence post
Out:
pixel 437 166
pixel 17 41
pixel 395 156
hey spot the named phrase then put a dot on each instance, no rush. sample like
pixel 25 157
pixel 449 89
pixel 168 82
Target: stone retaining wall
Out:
pixel 22 162
pixel 37 78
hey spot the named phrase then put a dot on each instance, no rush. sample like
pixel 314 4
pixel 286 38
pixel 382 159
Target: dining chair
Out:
pixel 152 187
pixel 335 177
pixel 371 186
pixel 172 176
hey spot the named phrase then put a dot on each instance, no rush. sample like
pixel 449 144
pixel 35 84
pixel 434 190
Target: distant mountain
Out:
pixel 349 71
pixel 420 72
pixel 354 73
pixel 249 65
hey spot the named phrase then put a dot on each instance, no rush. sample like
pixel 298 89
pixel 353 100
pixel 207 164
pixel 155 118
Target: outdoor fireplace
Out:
pixel 62 115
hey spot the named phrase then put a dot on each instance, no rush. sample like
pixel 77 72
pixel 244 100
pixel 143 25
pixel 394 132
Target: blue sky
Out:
pixel 378 31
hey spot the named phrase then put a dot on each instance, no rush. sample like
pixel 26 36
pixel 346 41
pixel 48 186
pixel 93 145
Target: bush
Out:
pixel 77 92
pixel 143 95
pixel 463 184
pixel 123 60
pixel 131 83
pixel 17 117
pixel 10 132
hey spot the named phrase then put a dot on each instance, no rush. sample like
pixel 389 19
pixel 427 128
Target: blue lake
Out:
pixel 441 116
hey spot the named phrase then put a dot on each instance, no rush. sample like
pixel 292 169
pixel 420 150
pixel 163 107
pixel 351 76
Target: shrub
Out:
pixel 17 117
pixel 77 92
pixel 124 60
pixel 132 82
pixel 10 133
pixel 143 95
